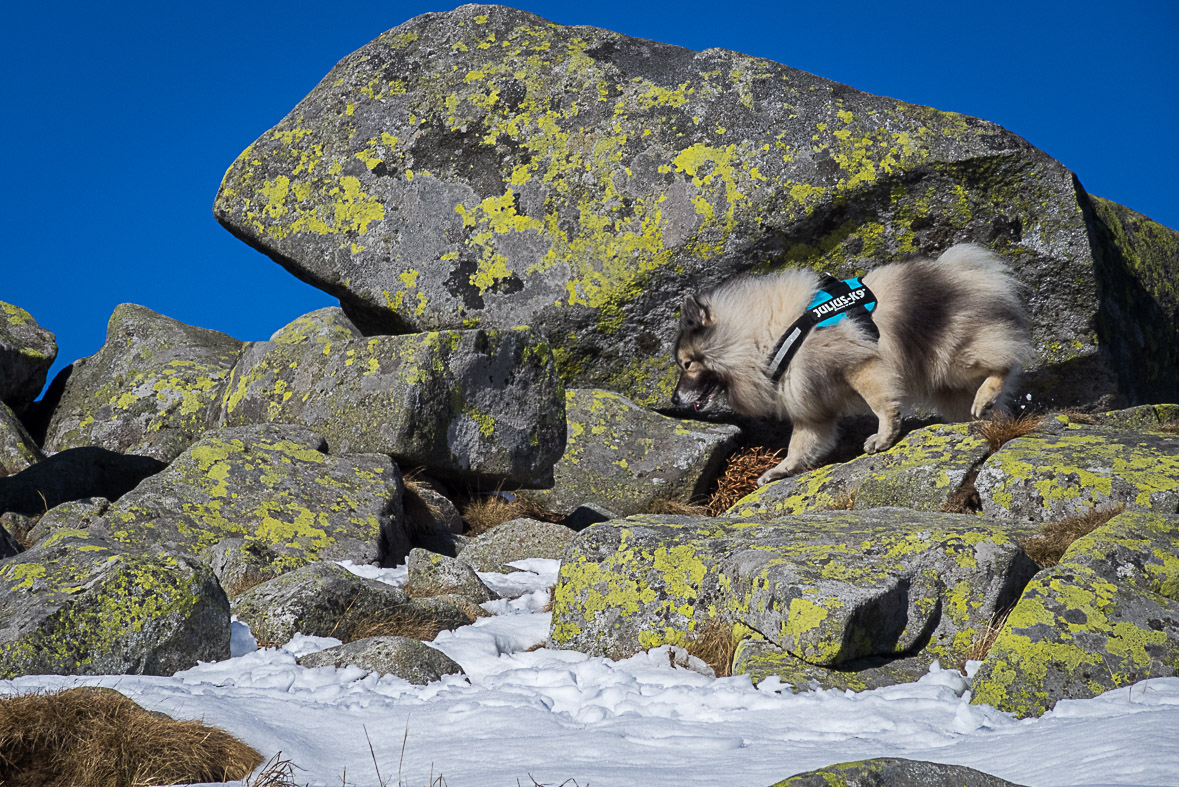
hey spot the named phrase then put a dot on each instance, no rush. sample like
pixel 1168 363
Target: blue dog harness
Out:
pixel 835 302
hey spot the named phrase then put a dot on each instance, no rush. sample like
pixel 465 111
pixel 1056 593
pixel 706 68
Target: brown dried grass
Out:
pixel 397 623
pixel 1002 427
pixel 1047 547
pixel 1171 427
pixel 715 645
pixel 667 506
pixel 739 478
pixel 99 738
pixel 483 513
pixel 985 639
pixel 277 772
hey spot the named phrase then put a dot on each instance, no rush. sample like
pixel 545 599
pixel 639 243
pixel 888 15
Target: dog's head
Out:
pixel 699 380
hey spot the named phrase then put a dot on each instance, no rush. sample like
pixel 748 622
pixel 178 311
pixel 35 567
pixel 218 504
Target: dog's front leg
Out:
pixel 808 442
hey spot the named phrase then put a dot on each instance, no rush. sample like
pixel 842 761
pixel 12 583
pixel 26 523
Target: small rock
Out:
pixel 81 514
pixel 17 449
pixel 894 772
pixel 519 539
pixel 431 574
pixel 407 658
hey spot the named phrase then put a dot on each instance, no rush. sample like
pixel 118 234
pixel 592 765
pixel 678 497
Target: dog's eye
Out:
pixel 688 365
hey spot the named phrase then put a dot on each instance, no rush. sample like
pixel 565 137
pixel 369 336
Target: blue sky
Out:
pixel 119 120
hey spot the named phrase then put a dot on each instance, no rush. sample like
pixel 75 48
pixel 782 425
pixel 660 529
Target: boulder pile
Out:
pixel 510 213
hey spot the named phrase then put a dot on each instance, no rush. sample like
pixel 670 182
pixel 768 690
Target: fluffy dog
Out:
pixel 952 333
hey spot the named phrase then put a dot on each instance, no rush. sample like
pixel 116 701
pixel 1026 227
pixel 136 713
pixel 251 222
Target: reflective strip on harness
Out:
pixel 835 301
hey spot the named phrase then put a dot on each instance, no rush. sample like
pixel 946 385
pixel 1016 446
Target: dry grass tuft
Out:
pixel 1171 427
pixel 484 513
pixel 670 507
pixel 715 645
pixel 740 475
pixel 277 772
pixel 1001 427
pixel 1055 537
pixel 986 638
pixel 99 738
pixel 843 501
pixel 397 623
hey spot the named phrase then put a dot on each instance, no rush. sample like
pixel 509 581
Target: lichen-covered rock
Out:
pixel 276 484
pixel 487 167
pixel 1066 468
pixel 486 405
pixel 760 659
pixel 327 600
pixel 26 352
pixel 72 515
pixel 148 391
pixel 405 657
pixel 1106 616
pixel 79 605
pixel 17 449
pixel 829 588
pixel 894 772
pixel 1146 416
pixel 1136 261
pixel 624 457
pixel 74 474
pixel 431 574
pixel 519 539
pixel 240 564
pixel 322 326
pixel 922 471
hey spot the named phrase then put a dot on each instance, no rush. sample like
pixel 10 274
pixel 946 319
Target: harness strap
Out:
pixel 835 301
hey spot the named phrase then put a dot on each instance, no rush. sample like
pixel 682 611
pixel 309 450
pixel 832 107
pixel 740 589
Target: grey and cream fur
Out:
pixel 953 334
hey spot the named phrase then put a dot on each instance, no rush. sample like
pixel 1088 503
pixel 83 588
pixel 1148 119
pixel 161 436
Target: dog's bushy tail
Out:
pixel 971 255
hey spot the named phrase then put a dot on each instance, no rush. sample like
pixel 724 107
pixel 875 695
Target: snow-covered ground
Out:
pixel 556 715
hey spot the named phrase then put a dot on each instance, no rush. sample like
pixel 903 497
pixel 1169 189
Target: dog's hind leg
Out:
pixel 808 442
pixel 987 397
pixel 878 386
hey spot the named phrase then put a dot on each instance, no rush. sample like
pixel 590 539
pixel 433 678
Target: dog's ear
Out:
pixel 694 314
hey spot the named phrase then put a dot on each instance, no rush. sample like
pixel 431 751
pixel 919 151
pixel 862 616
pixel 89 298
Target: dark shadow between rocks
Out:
pixel 74 474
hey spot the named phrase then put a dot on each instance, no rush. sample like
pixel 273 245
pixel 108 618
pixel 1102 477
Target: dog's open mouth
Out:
pixel 705 395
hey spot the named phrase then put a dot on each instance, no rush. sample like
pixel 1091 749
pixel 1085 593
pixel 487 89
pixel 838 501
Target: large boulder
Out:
pixel 486 405
pixel 1065 468
pixel 327 600
pixel 17 449
pixel 79 605
pixel 148 391
pixel 828 588
pixel 405 657
pixel 275 484
pixel 487 167
pixel 26 352
pixel 626 458
pixel 74 474
pixel 924 471
pixel 894 772
pixel 1105 617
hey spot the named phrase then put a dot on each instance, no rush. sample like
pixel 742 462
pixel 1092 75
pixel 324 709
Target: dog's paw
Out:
pixel 770 475
pixel 877 443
